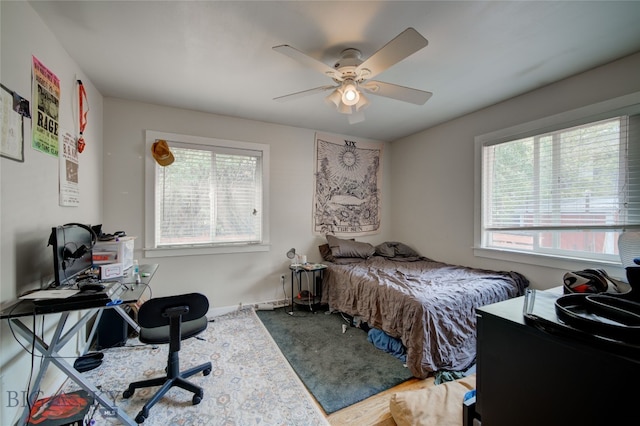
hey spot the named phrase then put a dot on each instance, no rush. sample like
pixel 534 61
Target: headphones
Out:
pixel 68 253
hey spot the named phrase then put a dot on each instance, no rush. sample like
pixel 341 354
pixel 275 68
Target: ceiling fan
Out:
pixel 352 75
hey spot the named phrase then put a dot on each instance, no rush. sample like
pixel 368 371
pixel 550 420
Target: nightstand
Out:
pixel 311 273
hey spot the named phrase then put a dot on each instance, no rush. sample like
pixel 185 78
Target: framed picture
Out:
pixel 12 110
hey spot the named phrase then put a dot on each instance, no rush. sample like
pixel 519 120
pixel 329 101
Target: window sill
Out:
pixel 198 251
pixel 563 263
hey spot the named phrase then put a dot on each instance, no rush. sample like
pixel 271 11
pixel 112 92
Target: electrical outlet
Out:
pixel 282 279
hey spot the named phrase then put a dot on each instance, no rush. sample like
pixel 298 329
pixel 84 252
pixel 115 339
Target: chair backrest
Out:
pixel 153 312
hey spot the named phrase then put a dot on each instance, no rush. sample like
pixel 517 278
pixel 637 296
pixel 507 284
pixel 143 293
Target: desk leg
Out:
pixel 51 355
pixel 46 350
pixel 92 390
pixel 127 318
pixel 94 329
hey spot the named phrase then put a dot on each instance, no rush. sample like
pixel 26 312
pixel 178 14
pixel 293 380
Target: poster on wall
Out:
pixel 348 178
pixel 68 181
pixel 46 99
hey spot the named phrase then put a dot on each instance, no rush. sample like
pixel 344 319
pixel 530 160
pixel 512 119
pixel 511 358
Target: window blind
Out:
pixel 209 195
pixel 582 177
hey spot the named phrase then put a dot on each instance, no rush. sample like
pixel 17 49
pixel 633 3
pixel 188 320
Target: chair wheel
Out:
pixel 142 415
pixel 127 393
pixel 206 372
pixel 196 399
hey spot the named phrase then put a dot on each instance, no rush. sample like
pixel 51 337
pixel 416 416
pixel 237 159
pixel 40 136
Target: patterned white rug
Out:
pixel 251 382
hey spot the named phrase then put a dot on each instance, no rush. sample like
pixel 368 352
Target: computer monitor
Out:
pixel 72 252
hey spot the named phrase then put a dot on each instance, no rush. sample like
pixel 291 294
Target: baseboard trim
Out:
pixel 217 311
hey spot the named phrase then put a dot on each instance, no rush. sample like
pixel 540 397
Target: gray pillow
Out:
pixel 395 249
pixel 386 250
pixel 349 248
pixel 325 252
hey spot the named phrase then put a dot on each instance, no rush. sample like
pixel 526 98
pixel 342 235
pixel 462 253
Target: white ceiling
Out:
pixel 217 57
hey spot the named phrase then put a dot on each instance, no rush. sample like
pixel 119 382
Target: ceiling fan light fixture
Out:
pixel 345 109
pixel 335 98
pixel 362 103
pixel 350 93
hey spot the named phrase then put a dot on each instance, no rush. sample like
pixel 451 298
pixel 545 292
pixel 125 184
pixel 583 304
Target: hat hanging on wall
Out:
pixel 161 152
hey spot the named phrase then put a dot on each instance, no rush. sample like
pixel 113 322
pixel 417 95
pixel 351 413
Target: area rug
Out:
pixel 251 382
pixel 339 368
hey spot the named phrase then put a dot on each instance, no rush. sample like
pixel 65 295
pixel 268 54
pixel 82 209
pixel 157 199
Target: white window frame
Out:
pixel 606 109
pixel 151 249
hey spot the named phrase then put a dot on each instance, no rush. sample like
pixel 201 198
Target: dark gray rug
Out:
pixel 338 368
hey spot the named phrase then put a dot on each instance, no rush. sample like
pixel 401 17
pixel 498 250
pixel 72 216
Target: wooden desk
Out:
pixel 22 309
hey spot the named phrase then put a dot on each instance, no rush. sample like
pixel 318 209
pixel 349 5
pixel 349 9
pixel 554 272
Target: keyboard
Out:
pixel 78 297
pixel 89 298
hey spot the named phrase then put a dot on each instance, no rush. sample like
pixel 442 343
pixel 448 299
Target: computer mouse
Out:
pixel 92 287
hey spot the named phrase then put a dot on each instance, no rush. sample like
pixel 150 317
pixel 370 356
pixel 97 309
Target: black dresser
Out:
pixel 529 376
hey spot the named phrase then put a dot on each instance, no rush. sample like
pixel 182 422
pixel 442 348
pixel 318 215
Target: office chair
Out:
pixel 170 320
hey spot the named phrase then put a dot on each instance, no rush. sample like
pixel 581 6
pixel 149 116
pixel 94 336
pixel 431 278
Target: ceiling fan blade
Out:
pixel 298 95
pixel 305 59
pixel 406 43
pixel 401 93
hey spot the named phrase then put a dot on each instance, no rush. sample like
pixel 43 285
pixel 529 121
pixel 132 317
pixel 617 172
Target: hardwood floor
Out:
pixel 374 411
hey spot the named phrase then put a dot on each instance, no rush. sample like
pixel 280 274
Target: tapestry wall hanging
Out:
pixel 348 180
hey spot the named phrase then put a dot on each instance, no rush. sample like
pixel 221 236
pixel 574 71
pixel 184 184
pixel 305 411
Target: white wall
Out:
pixel 227 279
pixel 29 205
pixel 434 169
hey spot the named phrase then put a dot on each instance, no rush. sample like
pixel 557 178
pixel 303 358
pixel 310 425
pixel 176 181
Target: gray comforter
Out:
pixel 429 305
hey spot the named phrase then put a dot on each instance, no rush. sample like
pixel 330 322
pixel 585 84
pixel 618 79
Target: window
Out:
pixel 210 200
pixel 565 191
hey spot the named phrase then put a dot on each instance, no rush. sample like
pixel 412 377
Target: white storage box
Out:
pixel 120 251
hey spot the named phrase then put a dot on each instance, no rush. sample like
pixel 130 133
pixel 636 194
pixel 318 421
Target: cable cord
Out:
pixel 33 357
pixel 13 333
pixel 310 295
pixel 284 292
pixel 298 280
pixel 148 287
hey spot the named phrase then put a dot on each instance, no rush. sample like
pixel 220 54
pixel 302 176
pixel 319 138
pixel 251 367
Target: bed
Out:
pixel 428 305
